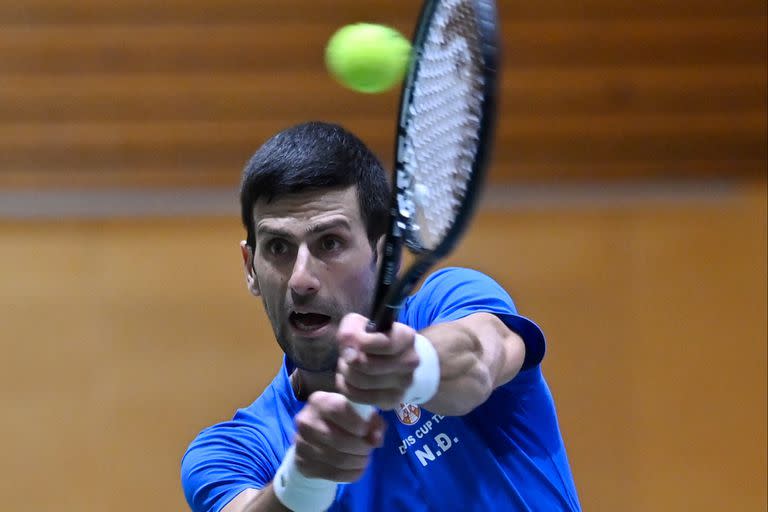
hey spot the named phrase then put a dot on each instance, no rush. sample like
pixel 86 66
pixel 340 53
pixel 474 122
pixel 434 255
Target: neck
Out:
pixel 305 383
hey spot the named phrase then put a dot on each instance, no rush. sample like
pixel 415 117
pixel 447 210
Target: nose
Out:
pixel 303 280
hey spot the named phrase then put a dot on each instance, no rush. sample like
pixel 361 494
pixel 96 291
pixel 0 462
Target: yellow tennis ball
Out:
pixel 367 57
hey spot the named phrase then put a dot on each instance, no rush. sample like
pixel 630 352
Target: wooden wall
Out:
pixel 121 339
pixel 180 92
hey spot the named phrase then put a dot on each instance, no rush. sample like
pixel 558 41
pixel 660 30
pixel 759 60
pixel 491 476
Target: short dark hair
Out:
pixel 316 155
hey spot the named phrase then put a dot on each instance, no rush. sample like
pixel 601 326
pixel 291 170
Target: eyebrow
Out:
pixel 314 228
pixel 319 227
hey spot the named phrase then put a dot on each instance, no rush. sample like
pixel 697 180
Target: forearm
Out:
pixel 252 500
pixel 477 354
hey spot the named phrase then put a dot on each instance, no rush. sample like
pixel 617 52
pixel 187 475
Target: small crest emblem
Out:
pixel 408 414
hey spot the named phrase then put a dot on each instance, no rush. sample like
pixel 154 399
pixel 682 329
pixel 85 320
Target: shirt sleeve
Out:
pixel 223 461
pixel 453 293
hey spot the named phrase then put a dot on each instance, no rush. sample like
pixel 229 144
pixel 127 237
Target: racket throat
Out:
pixel 396 294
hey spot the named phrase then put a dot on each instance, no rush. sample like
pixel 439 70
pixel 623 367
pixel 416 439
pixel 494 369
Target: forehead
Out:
pixel 308 206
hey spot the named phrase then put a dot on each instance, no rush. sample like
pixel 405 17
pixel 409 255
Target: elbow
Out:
pixel 479 390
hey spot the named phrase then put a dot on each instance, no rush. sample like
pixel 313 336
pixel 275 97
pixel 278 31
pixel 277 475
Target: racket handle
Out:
pixel 383 322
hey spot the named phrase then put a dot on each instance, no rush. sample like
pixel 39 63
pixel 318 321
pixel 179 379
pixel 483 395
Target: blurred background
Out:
pixel 625 213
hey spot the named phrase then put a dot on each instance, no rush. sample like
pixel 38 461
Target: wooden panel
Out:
pixel 231 96
pixel 591 90
pixel 148 11
pixel 193 144
pixel 228 47
pixel 121 339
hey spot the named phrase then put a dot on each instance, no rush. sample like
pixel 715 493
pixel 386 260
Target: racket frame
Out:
pixel 391 291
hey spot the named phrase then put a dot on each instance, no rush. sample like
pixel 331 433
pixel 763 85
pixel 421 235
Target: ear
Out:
pixel 251 281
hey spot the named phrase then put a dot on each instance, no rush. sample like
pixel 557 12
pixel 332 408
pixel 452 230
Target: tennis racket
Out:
pixel 443 141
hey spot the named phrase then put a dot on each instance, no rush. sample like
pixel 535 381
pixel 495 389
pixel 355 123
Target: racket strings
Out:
pixel 444 121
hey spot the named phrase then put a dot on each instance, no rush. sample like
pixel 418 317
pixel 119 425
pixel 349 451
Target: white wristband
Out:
pixel 426 376
pixel 299 493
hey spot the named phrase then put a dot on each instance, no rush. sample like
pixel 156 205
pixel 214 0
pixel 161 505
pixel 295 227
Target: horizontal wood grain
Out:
pixel 148 11
pixel 142 93
pixel 104 146
pixel 227 47
pixel 123 338
pixel 239 96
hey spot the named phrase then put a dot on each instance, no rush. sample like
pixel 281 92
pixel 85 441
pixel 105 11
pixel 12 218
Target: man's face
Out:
pixel 313 264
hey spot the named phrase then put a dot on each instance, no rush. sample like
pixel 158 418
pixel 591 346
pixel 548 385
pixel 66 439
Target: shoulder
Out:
pixel 266 421
pixel 453 293
pixel 451 277
pixel 241 453
pixel 257 431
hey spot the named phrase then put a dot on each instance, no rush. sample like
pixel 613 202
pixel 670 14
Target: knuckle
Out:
pixel 336 403
pixel 322 401
pixel 302 420
pixel 403 332
pixel 315 399
pixel 350 324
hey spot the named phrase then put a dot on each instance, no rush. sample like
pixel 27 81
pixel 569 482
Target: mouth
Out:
pixel 308 324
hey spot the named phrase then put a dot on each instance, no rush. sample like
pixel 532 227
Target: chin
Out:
pixel 315 355
pixel 316 366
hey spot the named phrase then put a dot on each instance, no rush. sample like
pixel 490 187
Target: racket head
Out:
pixel 443 140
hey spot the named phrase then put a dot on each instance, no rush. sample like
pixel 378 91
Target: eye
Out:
pixel 277 247
pixel 330 244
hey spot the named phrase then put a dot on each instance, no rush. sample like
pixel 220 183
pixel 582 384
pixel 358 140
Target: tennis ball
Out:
pixel 367 57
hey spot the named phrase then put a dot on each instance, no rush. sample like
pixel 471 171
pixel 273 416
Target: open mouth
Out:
pixel 309 322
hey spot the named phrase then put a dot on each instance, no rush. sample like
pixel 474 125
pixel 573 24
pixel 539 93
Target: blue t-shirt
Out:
pixel 506 454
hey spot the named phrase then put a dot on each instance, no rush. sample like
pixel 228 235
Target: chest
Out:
pixel 427 462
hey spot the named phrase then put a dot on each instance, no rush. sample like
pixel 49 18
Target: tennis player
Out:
pixel 483 432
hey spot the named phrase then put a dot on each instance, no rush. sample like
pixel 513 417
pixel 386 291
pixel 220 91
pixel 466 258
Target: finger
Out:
pixel 383 398
pixel 330 456
pixel 333 438
pixel 318 468
pixel 353 333
pixel 377 431
pixel 351 328
pixel 399 339
pixel 335 409
pixel 371 364
pixel 363 380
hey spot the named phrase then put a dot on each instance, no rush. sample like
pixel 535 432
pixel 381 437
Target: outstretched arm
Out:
pixel 252 500
pixel 476 354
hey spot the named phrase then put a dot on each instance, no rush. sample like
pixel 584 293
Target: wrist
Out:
pixel 298 492
pixel 426 376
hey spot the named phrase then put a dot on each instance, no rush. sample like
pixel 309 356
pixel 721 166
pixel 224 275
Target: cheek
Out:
pixel 361 282
pixel 271 286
